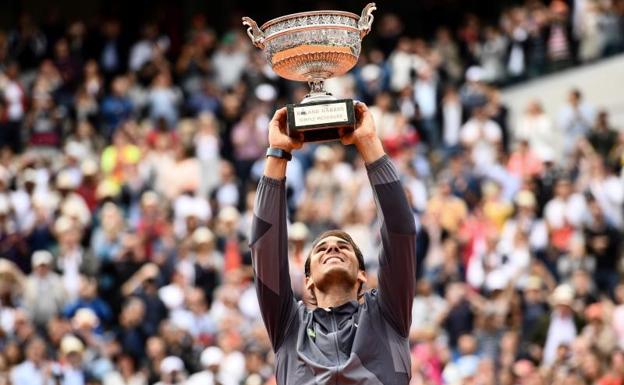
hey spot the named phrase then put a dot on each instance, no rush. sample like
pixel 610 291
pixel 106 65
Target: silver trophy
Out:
pixel 312 47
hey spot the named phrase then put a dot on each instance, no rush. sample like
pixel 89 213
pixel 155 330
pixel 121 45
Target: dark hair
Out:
pixel 342 235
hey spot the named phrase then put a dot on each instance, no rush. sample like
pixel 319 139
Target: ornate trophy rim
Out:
pixel 308 13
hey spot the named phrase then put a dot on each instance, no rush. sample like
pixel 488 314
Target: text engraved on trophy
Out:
pixel 320 114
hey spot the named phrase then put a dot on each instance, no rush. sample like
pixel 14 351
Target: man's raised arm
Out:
pixel 269 248
pixel 397 260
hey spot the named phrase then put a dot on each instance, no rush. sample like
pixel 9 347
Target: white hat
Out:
pixel 370 72
pixel 29 175
pixel 525 198
pixel 89 167
pixel 265 92
pixel 149 198
pixel 71 344
pixel 298 231
pixel 65 181
pixel 229 214
pixel 323 153
pixel 186 206
pixel 211 356
pixel 63 224
pixel 172 296
pixel 41 257
pixel 474 74
pixel 171 364
pixel 202 235
pixel 75 150
pixel 85 317
pixel 562 295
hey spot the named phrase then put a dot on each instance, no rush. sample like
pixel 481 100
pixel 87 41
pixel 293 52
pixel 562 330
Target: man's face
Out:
pixel 332 261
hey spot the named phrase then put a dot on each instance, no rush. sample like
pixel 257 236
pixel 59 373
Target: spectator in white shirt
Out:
pixel 575 120
pixel 482 137
pixel 426 97
pixel 537 128
pixel 35 370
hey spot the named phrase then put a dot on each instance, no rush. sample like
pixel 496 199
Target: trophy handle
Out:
pixel 254 33
pixel 366 19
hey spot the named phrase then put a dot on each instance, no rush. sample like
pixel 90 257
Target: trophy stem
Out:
pixel 317 91
pixel 317 85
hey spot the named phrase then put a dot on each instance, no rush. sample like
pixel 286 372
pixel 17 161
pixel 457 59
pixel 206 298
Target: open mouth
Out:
pixel 333 257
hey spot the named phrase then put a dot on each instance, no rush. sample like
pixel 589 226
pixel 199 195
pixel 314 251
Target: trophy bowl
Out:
pixel 311 47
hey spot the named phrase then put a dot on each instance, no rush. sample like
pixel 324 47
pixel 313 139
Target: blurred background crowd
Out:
pixel 128 165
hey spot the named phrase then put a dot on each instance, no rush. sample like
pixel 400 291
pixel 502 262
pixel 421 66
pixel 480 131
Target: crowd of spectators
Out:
pixel 127 181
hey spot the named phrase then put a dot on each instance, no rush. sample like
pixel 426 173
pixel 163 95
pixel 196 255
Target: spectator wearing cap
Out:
pixel 172 371
pixel 72 258
pixel 208 261
pixel 89 183
pixel 533 304
pixel 71 370
pixel 560 327
pixel 88 299
pixel 44 293
pixel 70 203
pixel 22 198
pixel 190 211
pixel 210 360
pixel 230 241
pixel 473 92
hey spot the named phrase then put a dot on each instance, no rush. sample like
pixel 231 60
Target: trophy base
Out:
pixel 320 121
